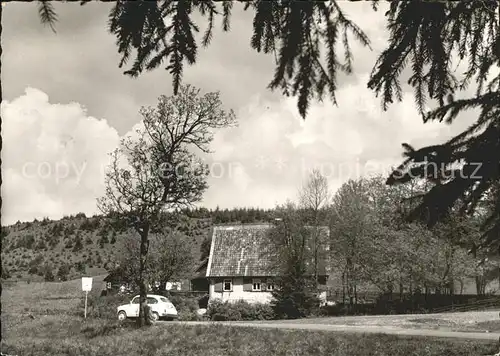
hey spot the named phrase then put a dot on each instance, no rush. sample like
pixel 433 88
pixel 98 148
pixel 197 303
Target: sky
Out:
pixel 67 104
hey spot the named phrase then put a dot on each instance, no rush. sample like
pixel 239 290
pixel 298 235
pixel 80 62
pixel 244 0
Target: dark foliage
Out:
pixel 295 33
pixel 240 310
pixel 464 169
pixel 48 274
pixel 103 307
pixel 26 241
pixel 63 272
pixel 296 292
pixel 5 273
pixel 78 246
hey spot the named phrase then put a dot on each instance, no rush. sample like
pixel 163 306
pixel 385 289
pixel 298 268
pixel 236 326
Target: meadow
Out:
pixel 47 319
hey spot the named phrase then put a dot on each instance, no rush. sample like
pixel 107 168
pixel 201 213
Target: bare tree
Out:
pixel 169 257
pixel 313 198
pixel 351 222
pixel 172 257
pixel 157 170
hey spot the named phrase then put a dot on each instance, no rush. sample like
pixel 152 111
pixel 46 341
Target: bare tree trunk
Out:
pixel 316 255
pixel 144 317
pixel 400 285
pixel 478 285
pixel 343 287
pixel 498 267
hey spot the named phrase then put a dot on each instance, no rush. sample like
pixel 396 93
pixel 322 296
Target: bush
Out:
pixel 191 316
pixel 63 272
pixel 48 276
pixel 240 310
pixel 103 329
pixel 5 273
pixel 184 303
pixel 102 307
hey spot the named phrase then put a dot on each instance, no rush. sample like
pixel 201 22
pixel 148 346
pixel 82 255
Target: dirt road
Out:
pixel 356 329
pixel 454 325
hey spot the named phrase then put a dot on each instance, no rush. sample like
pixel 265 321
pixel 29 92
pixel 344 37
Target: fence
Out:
pixel 371 303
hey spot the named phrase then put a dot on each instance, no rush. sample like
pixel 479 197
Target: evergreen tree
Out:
pixel 113 237
pixel 80 267
pixel 48 274
pixel 429 35
pixel 78 246
pixel 5 273
pixel 63 272
pixel 296 294
pixel 104 239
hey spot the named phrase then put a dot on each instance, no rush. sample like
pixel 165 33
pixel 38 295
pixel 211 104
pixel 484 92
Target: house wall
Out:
pixel 238 293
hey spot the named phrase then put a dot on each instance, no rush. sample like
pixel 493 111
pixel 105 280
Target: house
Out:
pixel 197 283
pixel 240 265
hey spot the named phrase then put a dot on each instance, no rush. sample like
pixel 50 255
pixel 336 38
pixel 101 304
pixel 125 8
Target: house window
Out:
pixel 228 285
pixel 256 285
pixel 270 285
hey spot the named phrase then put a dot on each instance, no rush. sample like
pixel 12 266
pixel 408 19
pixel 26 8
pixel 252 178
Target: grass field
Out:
pixel 57 328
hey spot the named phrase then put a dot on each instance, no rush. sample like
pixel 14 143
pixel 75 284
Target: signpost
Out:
pixel 86 287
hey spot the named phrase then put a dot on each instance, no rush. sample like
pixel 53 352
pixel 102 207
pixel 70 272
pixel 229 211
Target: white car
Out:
pixel 161 307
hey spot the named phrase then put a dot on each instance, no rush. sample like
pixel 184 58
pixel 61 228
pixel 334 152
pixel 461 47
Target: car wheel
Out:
pixel 122 315
pixel 155 316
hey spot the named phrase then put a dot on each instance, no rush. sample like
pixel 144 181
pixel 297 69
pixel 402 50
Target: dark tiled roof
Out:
pixel 243 250
pixel 201 269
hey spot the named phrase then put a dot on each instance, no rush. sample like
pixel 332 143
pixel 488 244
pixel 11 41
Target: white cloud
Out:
pixel 54 154
pixel 354 139
pixel 53 157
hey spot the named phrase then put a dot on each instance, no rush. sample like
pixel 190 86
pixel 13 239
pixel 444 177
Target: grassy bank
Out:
pixel 45 319
pixel 64 335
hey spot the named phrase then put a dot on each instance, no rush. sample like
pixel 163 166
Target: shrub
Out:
pixel 48 275
pixel 113 237
pixel 184 303
pixel 26 241
pixel 103 307
pixel 295 298
pixel 40 245
pixel 240 310
pixel 103 329
pixel 80 216
pixel 78 246
pixel 191 316
pixel 63 272
pixel 5 273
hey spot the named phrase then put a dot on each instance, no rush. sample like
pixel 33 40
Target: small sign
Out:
pixel 86 284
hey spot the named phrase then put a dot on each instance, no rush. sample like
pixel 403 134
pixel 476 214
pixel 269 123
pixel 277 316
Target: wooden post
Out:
pixel 86 293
